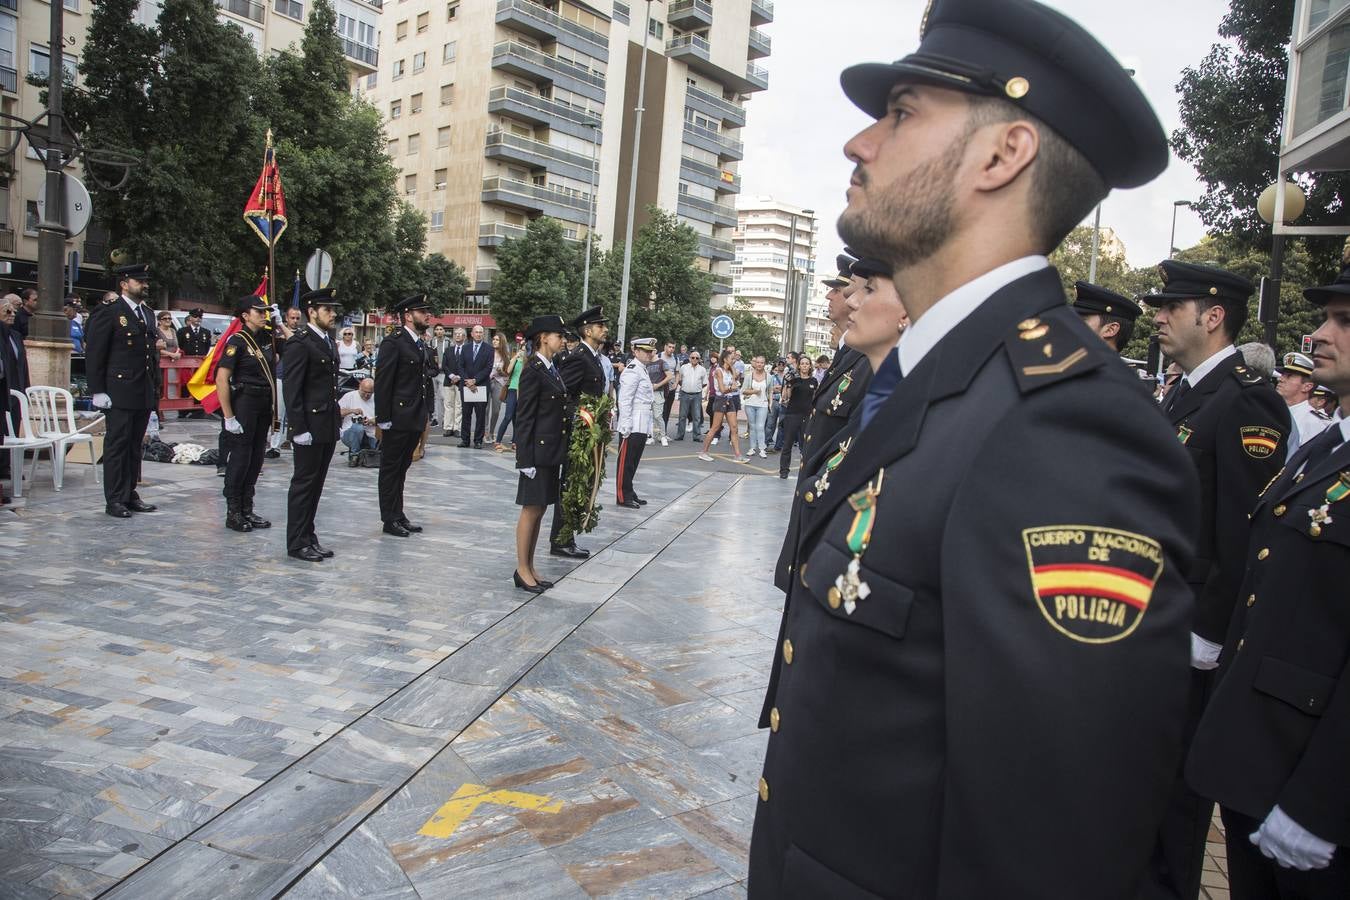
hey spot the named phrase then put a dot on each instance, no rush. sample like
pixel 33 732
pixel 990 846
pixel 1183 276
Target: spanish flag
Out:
pixel 202 384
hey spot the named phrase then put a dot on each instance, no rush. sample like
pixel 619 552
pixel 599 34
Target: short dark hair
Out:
pixel 1234 313
pixel 1124 334
pixel 1064 186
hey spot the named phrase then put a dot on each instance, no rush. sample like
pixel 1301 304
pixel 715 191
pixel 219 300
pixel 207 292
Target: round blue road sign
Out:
pixel 722 327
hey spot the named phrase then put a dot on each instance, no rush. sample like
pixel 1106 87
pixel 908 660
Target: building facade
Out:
pixel 500 111
pixel 775 245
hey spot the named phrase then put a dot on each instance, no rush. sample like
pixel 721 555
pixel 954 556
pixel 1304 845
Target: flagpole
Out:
pixel 271 222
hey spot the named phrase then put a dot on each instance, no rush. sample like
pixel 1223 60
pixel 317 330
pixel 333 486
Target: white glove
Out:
pixel 385 426
pixel 1204 654
pixel 529 473
pixel 304 440
pixel 1290 844
pixel 232 426
pixel 102 401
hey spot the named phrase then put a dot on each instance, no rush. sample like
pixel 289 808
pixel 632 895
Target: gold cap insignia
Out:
pixel 1017 87
pixel 1213 291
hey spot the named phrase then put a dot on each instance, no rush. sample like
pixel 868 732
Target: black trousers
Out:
pixel 222 446
pixel 396 453
pixel 667 402
pixel 1251 876
pixel 246 451
pixel 1179 855
pixel 476 413
pixel 302 500
pixel 122 452
pixel 630 454
pixel 791 425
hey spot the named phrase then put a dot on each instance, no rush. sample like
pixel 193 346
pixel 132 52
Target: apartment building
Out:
pixel 25 27
pixel 500 111
pixel 775 247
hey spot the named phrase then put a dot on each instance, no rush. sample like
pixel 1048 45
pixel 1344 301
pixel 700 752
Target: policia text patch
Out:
pixel 1092 584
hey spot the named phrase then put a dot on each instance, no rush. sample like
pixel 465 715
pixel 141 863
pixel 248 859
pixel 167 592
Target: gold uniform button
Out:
pixel 1280 510
pixel 787 651
pixel 834 598
pixel 774 719
pixel 1251 599
pixel 1265 551
pixel 763 790
pixel 810 496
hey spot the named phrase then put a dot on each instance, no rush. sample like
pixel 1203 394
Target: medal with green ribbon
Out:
pixel 1339 490
pixel 1184 434
pixel 823 482
pixel 850 585
pixel 844 385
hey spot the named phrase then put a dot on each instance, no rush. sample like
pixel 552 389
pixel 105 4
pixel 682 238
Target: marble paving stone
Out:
pixel 17 866
pixel 678 782
pixel 727 892
pixel 190 871
pixel 700 723
pixel 14 890
pixel 743 757
pixel 73 882
pixel 70 852
pixel 721 832
pixel 360 867
pixel 644 861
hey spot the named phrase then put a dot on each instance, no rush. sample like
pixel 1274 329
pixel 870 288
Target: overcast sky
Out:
pixel 796 130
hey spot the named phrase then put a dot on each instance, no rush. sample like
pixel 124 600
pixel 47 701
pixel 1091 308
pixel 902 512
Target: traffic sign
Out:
pixel 78 204
pixel 723 327
pixel 319 270
pixel 1307 343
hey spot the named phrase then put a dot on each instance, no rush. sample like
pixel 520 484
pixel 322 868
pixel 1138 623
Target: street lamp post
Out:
pixel 1096 243
pixel 1284 205
pixel 49 325
pixel 633 177
pixel 1172 241
pixel 590 220
pixel 794 304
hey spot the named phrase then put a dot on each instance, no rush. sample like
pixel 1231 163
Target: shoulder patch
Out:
pixel 231 350
pixel 1045 350
pixel 1258 441
pixel 1246 377
pixel 1091 583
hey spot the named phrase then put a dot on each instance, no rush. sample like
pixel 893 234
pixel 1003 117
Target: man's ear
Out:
pixel 1007 148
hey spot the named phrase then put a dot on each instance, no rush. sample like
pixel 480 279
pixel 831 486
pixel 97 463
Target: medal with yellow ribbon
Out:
pixel 823 482
pixel 850 585
pixel 1339 490
pixel 844 384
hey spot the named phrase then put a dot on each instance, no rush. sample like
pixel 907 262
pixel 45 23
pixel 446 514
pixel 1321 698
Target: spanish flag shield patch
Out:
pixel 1092 584
pixel 1258 441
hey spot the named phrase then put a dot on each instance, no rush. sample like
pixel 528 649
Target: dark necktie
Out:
pixel 883 384
pixel 1182 388
pixel 332 347
pixel 1322 446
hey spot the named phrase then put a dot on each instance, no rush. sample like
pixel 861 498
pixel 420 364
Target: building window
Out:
pixel 39 62
pixel 410 184
pixel 448 52
pixel 447 94
pixel 72 5
pixel 395 108
pixel 398 68
pixel 423 22
pixel 415 103
pixel 371 80
pixel 655 29
pixel 290 8
pixel 414 143
pixel 437 219
pixel 443 136
pixel 391 147
pixel 451 10
pixel 401 30
pixel 440 179
pixel 419 62
pixel 30 218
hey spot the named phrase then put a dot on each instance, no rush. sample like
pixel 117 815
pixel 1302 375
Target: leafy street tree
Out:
pixel 753 336
pixel 1073 259
pixel 534 276
pixel 442 280
pixel 667 293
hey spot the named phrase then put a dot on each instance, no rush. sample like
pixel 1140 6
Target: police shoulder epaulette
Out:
pixel 1045 350
pixel 1246 377
pixel 1321 414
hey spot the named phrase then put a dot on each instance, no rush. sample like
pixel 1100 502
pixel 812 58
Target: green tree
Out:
pixel 753 336
pixel 442 280
pixel 667 293
pixel 535 276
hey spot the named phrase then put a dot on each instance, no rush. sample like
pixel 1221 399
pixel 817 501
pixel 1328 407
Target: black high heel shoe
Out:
pixel 531 588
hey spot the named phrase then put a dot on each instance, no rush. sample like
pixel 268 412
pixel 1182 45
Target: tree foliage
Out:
pixel 753 336
pixel 535 276
pixel 667 292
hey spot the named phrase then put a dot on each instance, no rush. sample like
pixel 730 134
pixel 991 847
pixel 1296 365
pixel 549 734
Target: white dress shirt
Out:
pixel 1196 375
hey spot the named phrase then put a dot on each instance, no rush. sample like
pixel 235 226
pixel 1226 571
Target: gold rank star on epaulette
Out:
pixel 1246 376
pixel 1043 350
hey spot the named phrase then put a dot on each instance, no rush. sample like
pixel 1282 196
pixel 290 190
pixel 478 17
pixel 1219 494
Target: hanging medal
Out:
pixel 844 385
pixel 850 585
pixel 823 482
pixel 1320 516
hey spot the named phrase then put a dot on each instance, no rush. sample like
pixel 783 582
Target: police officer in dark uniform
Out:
pixel 122 363
pixel 193 339
pixel 846 380
pixel 541 443
pixel 1235 427
pixel 247 390
pixel 403 405
pixel 983 668
pixel 584 375
pixel 310 389
pixel 1273 743
pixel 1107 313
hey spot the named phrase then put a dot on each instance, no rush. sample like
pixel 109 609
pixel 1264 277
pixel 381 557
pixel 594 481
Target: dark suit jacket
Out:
pixel 475 366
pixel 13 359
pixel 452 360
pixel 540 403
pixel 195 345
pixel 120 357
pixel 838 394
pixel 582 372
pixel 310 386
pixel 1236 429
pixel 949 737
pixel 402 387
pixel 1277 729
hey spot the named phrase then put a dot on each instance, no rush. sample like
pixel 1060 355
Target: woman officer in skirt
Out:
pixel 540 444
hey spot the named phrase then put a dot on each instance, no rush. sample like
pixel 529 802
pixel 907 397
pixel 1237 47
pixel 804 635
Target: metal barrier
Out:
pixel 185 366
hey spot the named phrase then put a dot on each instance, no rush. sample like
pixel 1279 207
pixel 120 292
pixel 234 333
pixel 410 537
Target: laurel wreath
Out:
pixel 585 466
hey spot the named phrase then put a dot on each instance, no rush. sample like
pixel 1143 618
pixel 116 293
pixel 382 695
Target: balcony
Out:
pixel 761 12
pixel 6 239
pixel 715 248
pixel 533 19
pixel 709 176
pixel 757 76
pixel 494 234
pixel 518 59
pixel 621 12
pixel 713 105
pixel 9 79
pixel 706 211
pixel 713 142
pixel 694 51
pixel 559 204
pixel 761 44
pixel 557 115
pixel 721 284
pixel 10 4
pixel 539 155
pixel 690 15
pixel 368 58
pixel 246 8
pixel 482 278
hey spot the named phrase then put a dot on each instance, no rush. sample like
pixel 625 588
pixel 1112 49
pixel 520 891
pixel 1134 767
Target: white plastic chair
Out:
pixel 54 409
pixel 18 441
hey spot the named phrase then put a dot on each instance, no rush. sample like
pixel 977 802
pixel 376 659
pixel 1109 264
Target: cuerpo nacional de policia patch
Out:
pixel 1258 441
pixel 1092 584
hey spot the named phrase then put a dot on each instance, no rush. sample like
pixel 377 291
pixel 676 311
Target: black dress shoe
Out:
pixel 410 526
pixel 322 550
pixel 531 588
pixel 630 504
pixel 272 454
pixel 118 511
pixel 137 506
pixel 478 445
pixel 308 554
pixel 395 528
pixel 256 521
pixel 220 471
pixel 545 584
pixel 464 444
pixel 640 501
pixel 571 551
pixel 236 522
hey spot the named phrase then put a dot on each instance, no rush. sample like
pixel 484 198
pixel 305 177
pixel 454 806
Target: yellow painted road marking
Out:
pixel 469 797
